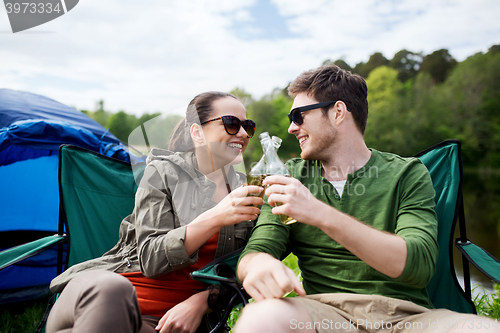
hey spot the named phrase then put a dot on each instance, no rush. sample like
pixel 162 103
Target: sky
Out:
pixel 156 55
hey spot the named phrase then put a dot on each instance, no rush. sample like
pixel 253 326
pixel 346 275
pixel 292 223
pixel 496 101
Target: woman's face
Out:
pixel 225 148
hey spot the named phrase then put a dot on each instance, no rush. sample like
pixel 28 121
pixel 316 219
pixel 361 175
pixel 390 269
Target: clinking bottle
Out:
pixel 269 164
pixel 259 171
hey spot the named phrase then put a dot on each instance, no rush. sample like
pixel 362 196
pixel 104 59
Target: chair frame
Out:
pixel 459 217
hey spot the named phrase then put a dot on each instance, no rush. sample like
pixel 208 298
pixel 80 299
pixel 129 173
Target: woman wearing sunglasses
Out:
pixel 190 208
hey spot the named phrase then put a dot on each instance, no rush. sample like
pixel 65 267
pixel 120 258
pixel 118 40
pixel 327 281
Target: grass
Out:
pixel 487 304
pixel 24 317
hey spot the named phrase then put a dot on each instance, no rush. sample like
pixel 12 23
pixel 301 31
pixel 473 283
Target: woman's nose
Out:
pixel 242 132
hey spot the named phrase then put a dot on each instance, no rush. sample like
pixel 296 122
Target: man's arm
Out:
pixel 259 269
pixel 383 251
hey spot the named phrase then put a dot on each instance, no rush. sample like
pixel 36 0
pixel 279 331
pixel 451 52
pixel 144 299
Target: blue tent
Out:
pixel 32 127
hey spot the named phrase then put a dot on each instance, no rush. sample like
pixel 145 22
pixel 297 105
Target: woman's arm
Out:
pixel 234 208
pixel 161 247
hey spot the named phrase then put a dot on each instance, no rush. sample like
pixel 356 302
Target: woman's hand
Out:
pixel 236 207
pixel 185 317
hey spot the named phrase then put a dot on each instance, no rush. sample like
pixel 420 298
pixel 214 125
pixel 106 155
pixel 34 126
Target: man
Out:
pixel 367 232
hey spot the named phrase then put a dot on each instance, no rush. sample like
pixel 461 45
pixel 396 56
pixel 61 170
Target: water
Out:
pixel 484 288
pixel 482 216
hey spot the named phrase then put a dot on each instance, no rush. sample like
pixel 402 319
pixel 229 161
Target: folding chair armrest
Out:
pixel 222 271
pixel 18 253
pixel 224 275
pixel 480 258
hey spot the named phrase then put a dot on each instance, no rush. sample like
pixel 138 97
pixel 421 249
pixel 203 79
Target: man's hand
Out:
pixel 265 277
pixel 297 201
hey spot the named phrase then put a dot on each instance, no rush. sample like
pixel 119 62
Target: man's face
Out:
pixel 316 134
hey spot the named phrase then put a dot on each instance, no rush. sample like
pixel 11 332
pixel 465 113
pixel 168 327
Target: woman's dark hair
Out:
pixel 199 110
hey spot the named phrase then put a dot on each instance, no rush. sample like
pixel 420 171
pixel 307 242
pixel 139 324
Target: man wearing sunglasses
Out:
pixel 367 232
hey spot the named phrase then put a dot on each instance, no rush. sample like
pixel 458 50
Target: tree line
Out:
pixel 414 100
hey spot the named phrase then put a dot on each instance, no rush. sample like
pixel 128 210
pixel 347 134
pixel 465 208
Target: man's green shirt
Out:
pixel 389 193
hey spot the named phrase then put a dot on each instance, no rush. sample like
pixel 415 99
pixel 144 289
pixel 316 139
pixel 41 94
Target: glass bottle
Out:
pixel 257 174
pixel 259 171
pixel 273 165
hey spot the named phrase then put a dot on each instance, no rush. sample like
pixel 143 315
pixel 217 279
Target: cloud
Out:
pixel 156 56
pixel 357 29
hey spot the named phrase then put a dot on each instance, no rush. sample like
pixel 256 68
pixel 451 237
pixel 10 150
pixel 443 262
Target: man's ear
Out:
pixel 340 112
pixel 197 135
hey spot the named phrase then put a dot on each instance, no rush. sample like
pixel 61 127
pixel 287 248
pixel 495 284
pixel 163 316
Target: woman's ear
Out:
pixel 197 135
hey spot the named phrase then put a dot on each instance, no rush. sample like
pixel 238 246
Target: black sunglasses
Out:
pixel 233 124
pixel 296 114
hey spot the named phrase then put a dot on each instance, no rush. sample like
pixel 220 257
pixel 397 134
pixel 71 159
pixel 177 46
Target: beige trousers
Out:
pixel 98 301
pixel 353 313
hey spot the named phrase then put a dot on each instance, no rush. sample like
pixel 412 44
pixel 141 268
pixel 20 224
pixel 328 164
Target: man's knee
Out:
pixel 265 309
pixel 272 315
pixel 260 316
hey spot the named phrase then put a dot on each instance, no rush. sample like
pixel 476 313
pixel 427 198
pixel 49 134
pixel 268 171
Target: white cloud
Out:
pixel 155 56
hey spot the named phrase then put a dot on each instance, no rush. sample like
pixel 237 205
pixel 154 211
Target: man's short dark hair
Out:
pixel 331 83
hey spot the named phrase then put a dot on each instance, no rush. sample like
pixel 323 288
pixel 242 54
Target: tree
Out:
pixel 99 115
pixel 472 96
pixel 384 130
pixel 407 64
pixel 359 68
pixel 494 48
pixel 339 62
pixel 376 60
pixel 270 115
pixel 156 132
pixel 438 64
pixel 342 64
pixel 243 96
pixel 146 117
pixel 121 125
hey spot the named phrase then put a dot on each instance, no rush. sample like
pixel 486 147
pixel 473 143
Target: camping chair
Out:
pixel 96 193
pixel 32 127
pixel 444 162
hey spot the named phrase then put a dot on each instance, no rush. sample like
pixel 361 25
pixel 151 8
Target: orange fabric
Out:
pixel 157 296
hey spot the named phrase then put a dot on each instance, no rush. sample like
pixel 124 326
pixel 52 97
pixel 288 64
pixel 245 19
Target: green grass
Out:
pixel 24 317
pixel 487 304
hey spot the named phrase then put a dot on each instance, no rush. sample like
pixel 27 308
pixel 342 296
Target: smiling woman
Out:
pixel 190 208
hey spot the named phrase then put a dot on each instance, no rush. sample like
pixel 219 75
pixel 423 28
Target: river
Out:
pixel 481 193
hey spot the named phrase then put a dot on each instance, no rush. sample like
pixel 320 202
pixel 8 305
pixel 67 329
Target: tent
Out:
pixel 32 127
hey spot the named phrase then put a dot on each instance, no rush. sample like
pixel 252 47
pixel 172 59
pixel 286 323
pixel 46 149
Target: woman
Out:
pixel 190 208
